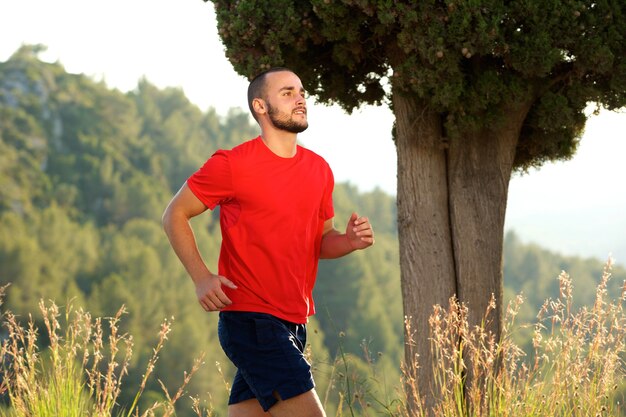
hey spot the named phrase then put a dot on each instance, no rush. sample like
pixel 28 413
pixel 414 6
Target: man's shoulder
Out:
pixel 236 151
pixel 311 155
pixel 243 148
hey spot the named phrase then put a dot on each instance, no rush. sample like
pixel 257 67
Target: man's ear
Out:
pixel 258 104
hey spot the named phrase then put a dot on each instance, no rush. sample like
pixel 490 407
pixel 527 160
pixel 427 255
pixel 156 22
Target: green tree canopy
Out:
pixel 466 59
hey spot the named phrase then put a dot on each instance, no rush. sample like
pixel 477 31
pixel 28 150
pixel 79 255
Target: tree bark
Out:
pixel 480 167
pixel 451 207
pixel 426 255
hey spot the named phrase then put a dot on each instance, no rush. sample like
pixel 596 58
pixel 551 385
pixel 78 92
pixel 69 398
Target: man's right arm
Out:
pixel 179 211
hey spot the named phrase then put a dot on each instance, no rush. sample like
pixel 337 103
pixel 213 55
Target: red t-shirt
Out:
pixel 272 213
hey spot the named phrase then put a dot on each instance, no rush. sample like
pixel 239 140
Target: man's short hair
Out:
pixel 256 89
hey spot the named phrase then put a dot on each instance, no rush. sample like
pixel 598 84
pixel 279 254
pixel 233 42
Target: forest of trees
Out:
pixel 85 174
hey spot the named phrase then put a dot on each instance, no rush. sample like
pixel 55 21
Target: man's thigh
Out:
pixel 248 408
pixel 303 405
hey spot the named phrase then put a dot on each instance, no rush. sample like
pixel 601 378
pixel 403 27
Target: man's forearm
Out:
pixel 183 241
pixel 335 245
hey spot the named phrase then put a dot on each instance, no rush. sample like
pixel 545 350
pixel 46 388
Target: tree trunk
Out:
pixel 451 207
pixel 479 171
pixel 426 255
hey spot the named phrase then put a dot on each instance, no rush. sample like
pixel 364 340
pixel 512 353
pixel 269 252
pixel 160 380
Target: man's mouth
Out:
pixel 301 110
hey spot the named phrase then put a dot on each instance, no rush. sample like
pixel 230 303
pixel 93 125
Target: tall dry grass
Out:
pixel 576 369
pixel 81 370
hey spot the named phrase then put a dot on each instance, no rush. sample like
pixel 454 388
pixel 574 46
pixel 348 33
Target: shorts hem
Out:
pixel 285 393
pixel 241 398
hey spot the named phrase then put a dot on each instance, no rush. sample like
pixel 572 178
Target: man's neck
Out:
pixel 283 144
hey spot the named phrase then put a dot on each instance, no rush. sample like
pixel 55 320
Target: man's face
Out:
pixel 286 106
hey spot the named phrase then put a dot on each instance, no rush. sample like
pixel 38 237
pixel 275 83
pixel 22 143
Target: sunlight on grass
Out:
pixel 576 367
pixel 80 372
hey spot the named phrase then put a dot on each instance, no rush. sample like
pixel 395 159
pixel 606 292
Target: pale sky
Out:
pixel 576 207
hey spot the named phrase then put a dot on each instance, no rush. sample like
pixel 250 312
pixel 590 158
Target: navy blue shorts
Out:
pixel 269 355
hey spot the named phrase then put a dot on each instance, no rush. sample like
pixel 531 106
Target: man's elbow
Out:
pixel 167 218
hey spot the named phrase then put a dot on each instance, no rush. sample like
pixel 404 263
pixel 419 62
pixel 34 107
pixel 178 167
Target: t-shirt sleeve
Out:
pixel 212 183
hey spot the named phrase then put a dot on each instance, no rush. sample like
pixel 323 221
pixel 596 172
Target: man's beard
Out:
pixel 283 121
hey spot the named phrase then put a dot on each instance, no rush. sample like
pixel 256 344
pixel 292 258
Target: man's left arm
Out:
pixel 359 235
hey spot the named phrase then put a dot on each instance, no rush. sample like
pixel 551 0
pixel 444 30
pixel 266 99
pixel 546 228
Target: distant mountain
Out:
pixel 577 207
pixel 584 232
